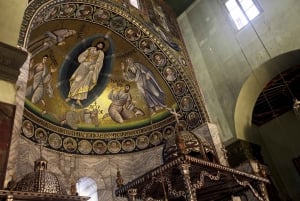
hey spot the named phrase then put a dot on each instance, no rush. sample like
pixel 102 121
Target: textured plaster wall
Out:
pixel 11 19
pixel 10 92
pixel 283 129
pixel 224 58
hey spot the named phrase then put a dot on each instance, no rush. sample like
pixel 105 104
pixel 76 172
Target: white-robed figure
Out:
pixel 85 77
pixel 146 84
pixel 41 84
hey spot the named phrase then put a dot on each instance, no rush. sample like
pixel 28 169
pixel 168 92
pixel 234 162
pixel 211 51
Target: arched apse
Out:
pixel 57 33
pixel 252 88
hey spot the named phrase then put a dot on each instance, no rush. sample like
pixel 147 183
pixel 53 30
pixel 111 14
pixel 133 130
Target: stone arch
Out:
pixel 251 89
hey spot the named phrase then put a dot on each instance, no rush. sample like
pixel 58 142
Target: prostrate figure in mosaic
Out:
pixel 122 106
pixel 85 77
pixel 146 84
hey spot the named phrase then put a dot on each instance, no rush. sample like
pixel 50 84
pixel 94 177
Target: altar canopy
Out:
pixel 189 178
pixel 191 171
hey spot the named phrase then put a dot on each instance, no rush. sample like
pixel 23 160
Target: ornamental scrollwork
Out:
pixel 247 184
pixel 163 180
pixel 200 183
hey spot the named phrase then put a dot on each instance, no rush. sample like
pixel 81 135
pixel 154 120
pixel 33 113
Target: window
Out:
pixel 87 187
pixel 241 11
pixel 135 3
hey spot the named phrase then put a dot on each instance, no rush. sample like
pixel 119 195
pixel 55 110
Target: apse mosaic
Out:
pixel 101 81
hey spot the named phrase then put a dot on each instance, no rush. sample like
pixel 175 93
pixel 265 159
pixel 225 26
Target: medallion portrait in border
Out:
pixel 132 33
pixel 147 46
pixel 118 23
pixel 27 128
pixel 114 146
pixel 168 132
pixel 155 138
pixel 159 59
pixel 53 12
pixel 170 73
pixel 55 141
pixel 84 11
pixel 179 88
pixel 128 145
pixel 101 15
pixel 70 144
pixel 67 10
pixel 99 147
pixel 186 103
pixel 193 119
pixel 41 136
pixel 142 142
pixel 84 147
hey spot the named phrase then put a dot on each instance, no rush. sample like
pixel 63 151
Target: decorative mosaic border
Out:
pixel 85 143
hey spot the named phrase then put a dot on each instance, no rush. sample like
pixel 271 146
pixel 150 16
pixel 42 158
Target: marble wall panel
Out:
pixel 102 169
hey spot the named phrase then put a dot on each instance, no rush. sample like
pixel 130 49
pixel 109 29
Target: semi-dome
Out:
pixel 40 180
